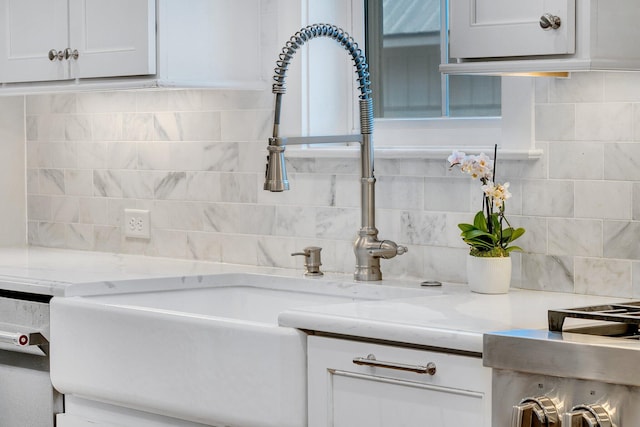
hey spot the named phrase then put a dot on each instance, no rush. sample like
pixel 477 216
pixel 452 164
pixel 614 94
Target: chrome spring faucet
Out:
pixel 367 247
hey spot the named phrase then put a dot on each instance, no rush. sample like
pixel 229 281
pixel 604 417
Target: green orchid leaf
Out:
pixel 466 227
pixel 517 233
pixel 509 234
pixel 480 222
pixel 495 222
pixel 480 235
pixel 478 244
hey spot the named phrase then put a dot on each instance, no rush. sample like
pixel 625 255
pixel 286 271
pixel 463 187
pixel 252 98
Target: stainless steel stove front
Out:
pixel 516 397
pixel 557 379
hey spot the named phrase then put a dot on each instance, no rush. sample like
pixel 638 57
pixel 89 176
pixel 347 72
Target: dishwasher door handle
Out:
pixel 22 339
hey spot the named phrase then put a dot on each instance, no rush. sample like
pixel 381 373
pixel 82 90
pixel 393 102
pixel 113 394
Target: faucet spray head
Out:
pixel 276 173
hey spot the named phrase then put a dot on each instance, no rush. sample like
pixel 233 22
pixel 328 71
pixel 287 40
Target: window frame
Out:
pixel 397 138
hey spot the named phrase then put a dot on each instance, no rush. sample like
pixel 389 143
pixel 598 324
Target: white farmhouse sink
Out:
pixel 247 303
pixel 206 350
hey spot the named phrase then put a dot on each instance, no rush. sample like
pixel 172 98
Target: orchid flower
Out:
pixel 488 235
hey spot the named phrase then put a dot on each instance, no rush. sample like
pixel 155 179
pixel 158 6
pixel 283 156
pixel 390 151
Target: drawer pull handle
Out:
pixel 370 360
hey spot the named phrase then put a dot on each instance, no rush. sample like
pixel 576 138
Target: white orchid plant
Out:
pixel 487 236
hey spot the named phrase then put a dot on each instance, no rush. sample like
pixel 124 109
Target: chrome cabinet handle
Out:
pixel 534 411
pixel 592 415
pixel 73 54
pixel 54 54
pixel 550 22
pixel 370 360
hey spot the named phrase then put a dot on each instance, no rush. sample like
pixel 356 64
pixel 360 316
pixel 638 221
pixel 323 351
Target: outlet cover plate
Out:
pixel 137 224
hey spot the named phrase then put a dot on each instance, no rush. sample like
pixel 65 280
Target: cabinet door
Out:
pixel 501 28
pixel 113 37
pixel 29 30
pixel 343 394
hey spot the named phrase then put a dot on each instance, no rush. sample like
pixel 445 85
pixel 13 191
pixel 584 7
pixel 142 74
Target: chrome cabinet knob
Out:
pixel 73 54
pixel 587 416
pixel 550 22
pixel 59 55
pixel 535 411
pixel 55 55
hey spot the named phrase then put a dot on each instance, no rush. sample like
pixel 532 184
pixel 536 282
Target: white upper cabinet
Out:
pixel 52 45
pixel 503 36
pixel 29 30
pixel 112 37
pixel 47 40
pixel 498 28
pixel 216 42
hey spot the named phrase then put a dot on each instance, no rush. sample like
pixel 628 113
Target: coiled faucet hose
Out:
pixel 322 30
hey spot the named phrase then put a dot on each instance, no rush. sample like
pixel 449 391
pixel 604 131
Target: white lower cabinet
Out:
pixel 345 394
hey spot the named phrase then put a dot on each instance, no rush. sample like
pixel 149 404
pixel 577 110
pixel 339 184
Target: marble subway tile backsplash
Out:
pixel 195 159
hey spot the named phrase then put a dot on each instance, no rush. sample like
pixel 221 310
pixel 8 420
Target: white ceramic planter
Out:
pixel 489 275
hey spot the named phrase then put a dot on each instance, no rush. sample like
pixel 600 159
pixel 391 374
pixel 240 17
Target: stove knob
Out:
pixel 535 412
pixel 587 416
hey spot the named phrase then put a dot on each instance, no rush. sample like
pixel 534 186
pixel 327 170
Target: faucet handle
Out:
pixel 387 249
pixel 312 260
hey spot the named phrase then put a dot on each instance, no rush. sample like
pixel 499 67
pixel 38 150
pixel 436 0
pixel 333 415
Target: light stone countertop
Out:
pixel 449 317
pixel 63 272
pixel 454 319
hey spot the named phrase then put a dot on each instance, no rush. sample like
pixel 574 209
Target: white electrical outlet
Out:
pixel 136 223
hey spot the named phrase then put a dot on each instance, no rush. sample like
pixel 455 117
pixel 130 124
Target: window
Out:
pixel 450 112
pixel 405 46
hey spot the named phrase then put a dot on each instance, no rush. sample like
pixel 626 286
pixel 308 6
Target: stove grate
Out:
pixel 627 313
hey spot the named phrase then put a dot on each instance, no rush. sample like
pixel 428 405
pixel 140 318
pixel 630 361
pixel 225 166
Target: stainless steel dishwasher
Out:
pixel 27 398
